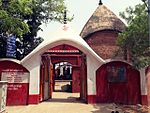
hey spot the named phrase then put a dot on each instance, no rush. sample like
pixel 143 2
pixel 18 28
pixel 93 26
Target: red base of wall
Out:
pixel 33 99
pixel 17 94
pixel 144 100
pixel 91 99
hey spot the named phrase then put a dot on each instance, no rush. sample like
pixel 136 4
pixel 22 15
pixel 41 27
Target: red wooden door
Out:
pixel 41 82
pixel 125 92
pixel 75 79
pixel 45 79
pixel 117 93
pixel 102 87
pixel 83 79
pixel 51 81
pixel 133 85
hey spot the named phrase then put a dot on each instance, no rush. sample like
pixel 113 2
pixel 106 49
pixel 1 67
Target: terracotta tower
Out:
pixel 101 32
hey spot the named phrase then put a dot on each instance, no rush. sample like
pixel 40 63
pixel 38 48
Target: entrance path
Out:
pixel 67 103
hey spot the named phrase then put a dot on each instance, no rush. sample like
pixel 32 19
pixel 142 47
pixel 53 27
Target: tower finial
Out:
pixel 100 2
pixel 65 16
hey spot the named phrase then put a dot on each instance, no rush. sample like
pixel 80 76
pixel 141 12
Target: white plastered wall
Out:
pixel 143 82
pixel 92 66
pixel 33 65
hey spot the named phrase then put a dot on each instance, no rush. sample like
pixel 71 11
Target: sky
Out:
pixel 83 10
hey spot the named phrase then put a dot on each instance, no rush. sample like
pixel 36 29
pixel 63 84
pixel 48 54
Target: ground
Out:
pixel 69 103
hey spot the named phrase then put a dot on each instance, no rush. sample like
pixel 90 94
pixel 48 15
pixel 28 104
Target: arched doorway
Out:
pixel 118 82
pixel 63 68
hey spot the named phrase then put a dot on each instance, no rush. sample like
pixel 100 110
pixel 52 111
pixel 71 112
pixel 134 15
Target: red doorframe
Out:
pixel 83 69
pixel 70 54
pixel 41 82
pixel 76 79
pixel 76 62
pixel 51 80
pixel 45 75
pixel 79 66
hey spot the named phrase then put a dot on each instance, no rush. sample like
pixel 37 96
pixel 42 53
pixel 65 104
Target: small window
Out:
pixel 116 74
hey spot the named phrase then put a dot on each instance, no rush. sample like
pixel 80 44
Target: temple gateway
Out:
pixel 85 64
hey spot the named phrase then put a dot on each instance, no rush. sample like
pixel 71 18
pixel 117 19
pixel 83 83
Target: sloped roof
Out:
pixel 102 19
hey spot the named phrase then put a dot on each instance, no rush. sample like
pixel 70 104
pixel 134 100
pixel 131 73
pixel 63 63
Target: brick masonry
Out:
pixel 104 43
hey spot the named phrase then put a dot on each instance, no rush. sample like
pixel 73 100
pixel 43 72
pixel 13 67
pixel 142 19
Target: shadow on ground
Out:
pixel 105 108
pixel 108 108
pixel 66 100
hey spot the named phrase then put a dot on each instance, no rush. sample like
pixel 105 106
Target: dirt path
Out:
pixel 68 103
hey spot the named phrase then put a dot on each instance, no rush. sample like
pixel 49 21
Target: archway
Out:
pixel 118 82
pixel 64 36
pixel 63 68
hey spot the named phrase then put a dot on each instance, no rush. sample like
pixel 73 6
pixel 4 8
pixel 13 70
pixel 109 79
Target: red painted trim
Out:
pixel 64 47
pixel 4 65
pixel 33 99
pixel 144 100
pixel 91 99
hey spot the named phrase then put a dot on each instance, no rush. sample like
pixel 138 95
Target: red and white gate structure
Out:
pixel 27 78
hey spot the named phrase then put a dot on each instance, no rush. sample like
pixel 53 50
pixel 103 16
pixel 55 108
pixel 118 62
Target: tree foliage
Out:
pixel 23 18
pixel 135 38
pixel 43 11
pixel 11 20
pixel 11 16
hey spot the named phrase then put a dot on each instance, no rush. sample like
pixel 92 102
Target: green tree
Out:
pixel 23 18
pixel 11 16
pixel 11 20
pixel 134 40
pixel 44 11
